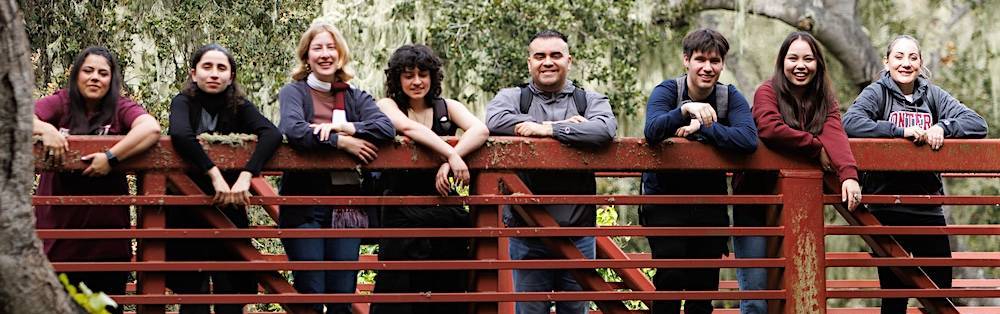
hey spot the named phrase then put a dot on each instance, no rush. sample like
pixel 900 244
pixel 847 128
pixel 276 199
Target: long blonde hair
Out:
pixel 318 26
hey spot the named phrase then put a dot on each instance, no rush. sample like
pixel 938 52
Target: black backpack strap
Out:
pixel 884 114
pixel 442 121
pixel 721 96
pixel 721 100
pixel 525 98
pixel 681 83
pixel 580 98
pixel 931 105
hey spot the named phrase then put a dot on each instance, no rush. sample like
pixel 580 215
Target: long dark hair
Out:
pixel 412 57
pixel 78 120
pixel 233 93
pixel 818 95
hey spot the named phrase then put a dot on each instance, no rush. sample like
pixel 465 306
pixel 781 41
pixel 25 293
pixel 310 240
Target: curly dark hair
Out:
pixel 235 96
pixel 410 57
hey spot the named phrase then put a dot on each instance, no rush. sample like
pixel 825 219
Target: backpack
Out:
pixel 721 98
pixel 579 97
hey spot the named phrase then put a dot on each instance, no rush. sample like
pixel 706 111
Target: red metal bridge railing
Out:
pixel 798 262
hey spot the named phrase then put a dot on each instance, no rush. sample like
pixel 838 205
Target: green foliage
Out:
pixel 91 302
pixel 153 41
pixel 485 44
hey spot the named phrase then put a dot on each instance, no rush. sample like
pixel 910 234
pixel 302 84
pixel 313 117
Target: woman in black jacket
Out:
pixel 212 102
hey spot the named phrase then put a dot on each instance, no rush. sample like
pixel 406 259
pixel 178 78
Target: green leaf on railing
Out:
pixel 607 216
pixel 94 303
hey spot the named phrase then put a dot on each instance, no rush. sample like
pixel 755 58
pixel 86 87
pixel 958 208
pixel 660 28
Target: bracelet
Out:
pixel 112 159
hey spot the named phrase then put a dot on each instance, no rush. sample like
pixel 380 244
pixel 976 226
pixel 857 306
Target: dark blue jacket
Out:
pixel 736 133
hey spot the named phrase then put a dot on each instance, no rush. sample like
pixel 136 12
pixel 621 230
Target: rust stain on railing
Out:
pixel 806 262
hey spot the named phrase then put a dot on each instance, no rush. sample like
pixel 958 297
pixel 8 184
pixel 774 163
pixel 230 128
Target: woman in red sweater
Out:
pixel 796 113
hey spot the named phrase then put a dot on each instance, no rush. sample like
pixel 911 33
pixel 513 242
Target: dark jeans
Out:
pixel 111 283
pixel 545 280
pixel 686 279
pixel 918 246
pixel 324 281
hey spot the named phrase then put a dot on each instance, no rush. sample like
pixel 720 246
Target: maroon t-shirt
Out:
pixel 54 109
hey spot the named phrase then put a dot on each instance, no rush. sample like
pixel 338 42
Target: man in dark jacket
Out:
pixel 552 108
pixel 697 107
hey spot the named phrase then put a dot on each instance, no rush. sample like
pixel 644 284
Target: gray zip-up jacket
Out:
pixel 869 116
pixel 503 113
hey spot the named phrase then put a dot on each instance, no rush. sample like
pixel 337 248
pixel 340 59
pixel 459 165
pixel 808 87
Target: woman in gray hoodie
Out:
pixel 904 103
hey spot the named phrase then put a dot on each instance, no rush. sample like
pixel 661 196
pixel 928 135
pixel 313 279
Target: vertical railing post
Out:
pixel 803 248
pixel 490 248
pixel 150 250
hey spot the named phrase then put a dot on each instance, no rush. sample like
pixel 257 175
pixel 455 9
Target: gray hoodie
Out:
pixel 503 113
pixel 881 111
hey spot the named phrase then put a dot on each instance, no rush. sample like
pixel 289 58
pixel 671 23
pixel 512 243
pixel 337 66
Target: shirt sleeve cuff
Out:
pixel 849 172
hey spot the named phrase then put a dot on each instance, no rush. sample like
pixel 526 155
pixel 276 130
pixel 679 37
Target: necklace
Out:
pixel 424 117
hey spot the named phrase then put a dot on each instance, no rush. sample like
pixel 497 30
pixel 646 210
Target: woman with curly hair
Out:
pixel 417 110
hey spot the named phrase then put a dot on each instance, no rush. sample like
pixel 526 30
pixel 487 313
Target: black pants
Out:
pixel 207 250
pixel 410 281
pixel 111 283
pixel 188 217
pixel 686 279
pixel 919 246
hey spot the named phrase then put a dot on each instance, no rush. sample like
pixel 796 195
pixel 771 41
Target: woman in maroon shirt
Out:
pixel 90 105
pixel 796 113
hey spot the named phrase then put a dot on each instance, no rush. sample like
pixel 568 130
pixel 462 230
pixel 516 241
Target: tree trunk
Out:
pixel 27 283
pixel 834 23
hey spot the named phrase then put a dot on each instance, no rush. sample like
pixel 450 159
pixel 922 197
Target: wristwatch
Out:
pixel 112 159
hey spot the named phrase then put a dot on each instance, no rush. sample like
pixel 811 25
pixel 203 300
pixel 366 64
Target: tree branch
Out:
pixel 833 23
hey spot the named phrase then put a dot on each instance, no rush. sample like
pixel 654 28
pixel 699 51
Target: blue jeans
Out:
pixel 547 280
pixel 324 281
pixel 751 278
